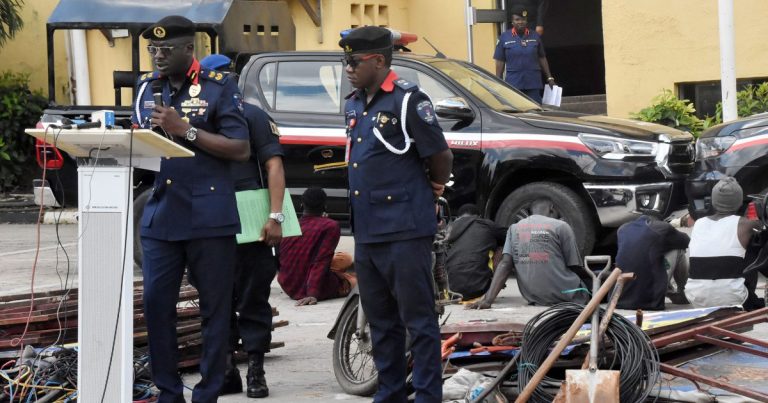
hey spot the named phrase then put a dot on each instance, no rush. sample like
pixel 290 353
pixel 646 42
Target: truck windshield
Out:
pixel 490 90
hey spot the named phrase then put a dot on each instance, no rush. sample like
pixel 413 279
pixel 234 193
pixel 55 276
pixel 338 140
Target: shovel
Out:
pixel 593 385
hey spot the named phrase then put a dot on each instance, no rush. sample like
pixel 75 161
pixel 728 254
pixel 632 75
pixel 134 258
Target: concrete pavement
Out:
pixel 299 372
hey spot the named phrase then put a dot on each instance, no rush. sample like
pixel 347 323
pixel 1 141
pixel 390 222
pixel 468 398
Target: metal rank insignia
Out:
pixel 194 90
pixel 194 107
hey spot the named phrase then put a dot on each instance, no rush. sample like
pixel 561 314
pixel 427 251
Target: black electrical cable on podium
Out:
pixel 629 350
pixel 128 221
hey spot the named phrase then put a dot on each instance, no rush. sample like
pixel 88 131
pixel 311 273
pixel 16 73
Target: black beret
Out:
pixel 519 10
pixel 366 39
pixel 170 27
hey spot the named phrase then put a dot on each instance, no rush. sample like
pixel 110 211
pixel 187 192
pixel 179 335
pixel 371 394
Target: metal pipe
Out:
pixel 594 303
pixel 81 72
pixel 688 334
pixel 470 21
pixel 737 336
pixel 727 60
pixel 733 346
pixel 713 382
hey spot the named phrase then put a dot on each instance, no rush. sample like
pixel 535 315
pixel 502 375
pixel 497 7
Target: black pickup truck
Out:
pixel 600 172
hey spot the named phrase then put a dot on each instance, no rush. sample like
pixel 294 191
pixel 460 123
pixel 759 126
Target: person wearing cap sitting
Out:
pixel 717 252
pixel 396 170
pixel 256 264
pixel 190 219
pixel 520 57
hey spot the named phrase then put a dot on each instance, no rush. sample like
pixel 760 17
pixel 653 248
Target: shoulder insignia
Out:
pixel 405 84
pixel 213 75
pixel 351 94
pixel 149 76
pixel 273 127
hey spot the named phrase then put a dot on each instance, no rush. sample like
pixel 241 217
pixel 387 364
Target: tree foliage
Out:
pixel 10 19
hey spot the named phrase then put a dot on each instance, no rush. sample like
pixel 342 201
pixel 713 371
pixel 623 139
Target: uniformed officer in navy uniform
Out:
pixel 256 262
pixel 520 57
pixel 398 163
pixel 191 219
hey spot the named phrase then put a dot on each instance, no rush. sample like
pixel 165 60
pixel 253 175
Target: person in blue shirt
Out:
pixel 190 219
pixel 256 267
pixel 520 57
pixel 399 163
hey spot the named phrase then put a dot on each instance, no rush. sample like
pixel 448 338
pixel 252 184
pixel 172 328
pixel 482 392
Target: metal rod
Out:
pixel 713 382
pixel 688 334
pixel 737 336
pixel 727 60
pixel 732 346
pixel 594 303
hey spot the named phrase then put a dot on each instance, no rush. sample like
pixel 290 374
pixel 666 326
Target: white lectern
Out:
pixel 105 249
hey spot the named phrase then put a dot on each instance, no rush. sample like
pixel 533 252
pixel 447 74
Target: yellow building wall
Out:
pixel 26 53
pixel 654 46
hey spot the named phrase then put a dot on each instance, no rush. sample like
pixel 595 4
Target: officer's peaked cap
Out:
pixel 519 10
pixel 170 27
pixel 366 40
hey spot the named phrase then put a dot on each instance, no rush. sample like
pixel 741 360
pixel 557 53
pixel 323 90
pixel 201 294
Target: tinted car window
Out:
pixel 491 90
pixel 313 87
pixel 429 85
pixel 267 82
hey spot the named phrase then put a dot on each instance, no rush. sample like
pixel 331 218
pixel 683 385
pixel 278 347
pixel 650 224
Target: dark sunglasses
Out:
pixel 351 61
pixel 165 50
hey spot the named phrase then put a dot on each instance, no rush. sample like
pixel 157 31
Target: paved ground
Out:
pixel 299 372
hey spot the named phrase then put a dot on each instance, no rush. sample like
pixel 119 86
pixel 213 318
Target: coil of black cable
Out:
pixel 625 348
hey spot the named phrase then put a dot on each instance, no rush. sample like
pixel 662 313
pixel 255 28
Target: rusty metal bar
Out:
pixel 738 336
pixel 759 315
pixel 713 382
pixel 732 346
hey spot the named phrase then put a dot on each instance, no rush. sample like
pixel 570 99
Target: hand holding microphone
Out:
pixel 166 118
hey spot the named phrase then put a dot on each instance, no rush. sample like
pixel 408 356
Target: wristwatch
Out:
pixel 191 134
pixel 278 217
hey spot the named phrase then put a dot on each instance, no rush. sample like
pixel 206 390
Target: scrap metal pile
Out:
pixel 549 358
pixel 38 336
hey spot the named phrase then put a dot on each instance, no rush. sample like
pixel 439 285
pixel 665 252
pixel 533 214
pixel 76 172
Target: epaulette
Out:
pixel 213 75
pixel 153 75
pixel 351 94
pixel 406 85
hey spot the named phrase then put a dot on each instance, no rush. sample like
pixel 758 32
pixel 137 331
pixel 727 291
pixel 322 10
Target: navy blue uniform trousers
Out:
pixel 397 292
pixel 211 264
pixel 256 268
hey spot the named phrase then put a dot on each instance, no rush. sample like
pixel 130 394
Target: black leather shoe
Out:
pixel 232 382
pixel 256 383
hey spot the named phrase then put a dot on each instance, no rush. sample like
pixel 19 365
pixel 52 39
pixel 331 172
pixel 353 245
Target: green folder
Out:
pixel 253 207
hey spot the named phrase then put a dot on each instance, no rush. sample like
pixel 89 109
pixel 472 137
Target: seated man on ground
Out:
pixel 471 240
pixel 309 269
pixel 717 250
pixel 655 251
pixel 544 252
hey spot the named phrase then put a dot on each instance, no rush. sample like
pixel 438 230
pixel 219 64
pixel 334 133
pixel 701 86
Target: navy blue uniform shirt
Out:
pixel 265 144
pixel 520 55
pixel 193 197
pixel 390 194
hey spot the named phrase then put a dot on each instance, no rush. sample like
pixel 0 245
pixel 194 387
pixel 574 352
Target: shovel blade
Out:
pixel 585 386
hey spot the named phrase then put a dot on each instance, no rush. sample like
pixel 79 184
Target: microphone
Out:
pixel 157 92
pixel 85 125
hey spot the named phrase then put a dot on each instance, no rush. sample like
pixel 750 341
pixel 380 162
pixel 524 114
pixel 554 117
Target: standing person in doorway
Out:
pixel 520 57
pixel 190 220
pixel 396 170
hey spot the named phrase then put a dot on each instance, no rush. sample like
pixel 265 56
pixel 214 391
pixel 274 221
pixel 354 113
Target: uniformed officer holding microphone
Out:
pixel 190 219
pixel 398 163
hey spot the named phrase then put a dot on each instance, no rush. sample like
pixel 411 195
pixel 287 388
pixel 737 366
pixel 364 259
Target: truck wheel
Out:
pixel 568 206
pixel 138 210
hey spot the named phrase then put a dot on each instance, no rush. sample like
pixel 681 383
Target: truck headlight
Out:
pixel 618 149
pixel 713 146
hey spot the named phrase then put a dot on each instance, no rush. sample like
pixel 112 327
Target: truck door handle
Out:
pixel 327 153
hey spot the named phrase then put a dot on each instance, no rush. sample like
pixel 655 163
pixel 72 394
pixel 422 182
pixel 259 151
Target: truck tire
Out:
pixel 138 209
pixel 568 205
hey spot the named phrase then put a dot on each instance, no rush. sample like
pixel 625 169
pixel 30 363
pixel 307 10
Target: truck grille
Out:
pixel 681 157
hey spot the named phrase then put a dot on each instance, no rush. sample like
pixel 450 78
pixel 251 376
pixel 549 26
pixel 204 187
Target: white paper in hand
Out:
pixel 552 95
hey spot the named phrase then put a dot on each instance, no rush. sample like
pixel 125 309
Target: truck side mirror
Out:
pixel 455 108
